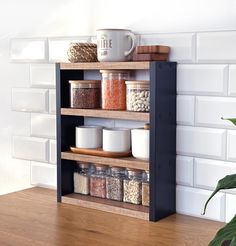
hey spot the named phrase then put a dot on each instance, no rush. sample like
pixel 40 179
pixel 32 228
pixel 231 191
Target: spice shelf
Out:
pixel 128 162
pixel 100 113
pixel 162 159
pixel 106 205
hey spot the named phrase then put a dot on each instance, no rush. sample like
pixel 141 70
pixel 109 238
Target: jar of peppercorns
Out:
pixel 114 89
pixel 98 182
pixel 85 94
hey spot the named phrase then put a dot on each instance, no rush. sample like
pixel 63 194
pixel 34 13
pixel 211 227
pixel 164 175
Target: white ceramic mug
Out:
pixel 115 44
pixel 116 139
pixel 88 137
pixel 140 143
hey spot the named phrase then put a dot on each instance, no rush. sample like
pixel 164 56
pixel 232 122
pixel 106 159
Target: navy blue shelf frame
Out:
pixel 162 161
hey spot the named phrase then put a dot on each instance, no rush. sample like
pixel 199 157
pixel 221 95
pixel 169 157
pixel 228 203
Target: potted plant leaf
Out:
pixel 227 234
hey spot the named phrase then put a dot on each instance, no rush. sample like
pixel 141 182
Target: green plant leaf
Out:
pixel 233 120
pixel 228 182
pixel 233 242
pixel 227 233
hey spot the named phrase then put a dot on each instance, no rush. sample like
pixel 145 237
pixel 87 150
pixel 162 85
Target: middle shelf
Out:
pixel 127 162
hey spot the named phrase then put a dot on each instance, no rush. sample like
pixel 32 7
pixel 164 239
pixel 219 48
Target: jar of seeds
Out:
pixel 85 94
pixel 114 183
pixel 133 186
pixel 145 189
pixel 98 182
pixel 138 96
pixel 81 178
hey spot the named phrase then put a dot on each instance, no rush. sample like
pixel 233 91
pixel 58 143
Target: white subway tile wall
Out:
pixel 206 87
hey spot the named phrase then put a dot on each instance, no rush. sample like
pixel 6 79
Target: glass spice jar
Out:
pixel 85 94
pixel 133 187
pixel 114 89
pixel 114 183
pixel 145 189
pixel 98 182
pixel 138 96
pixel 81 178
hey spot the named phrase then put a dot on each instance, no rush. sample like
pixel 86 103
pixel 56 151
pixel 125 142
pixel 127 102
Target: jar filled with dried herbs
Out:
pixel 81 178
pixel 114 183
pixel 133 187
pixel 85 94
pixel 98 182
pixel 145 189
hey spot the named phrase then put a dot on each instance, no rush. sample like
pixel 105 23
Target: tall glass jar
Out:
pixel 114 183
pixel 138 96
pixel 81 178
pixel 85 94
pixel 133 186
pixel 98 182
pixel 114 89
pixel 145 189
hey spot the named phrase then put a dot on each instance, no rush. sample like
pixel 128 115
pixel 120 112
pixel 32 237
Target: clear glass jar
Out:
pixel 114 89
pixel 114 183
pixel 98 182
pixel 145 189
pixel 138 96
pixel 81 178
pixel 85 94
pixel 133 187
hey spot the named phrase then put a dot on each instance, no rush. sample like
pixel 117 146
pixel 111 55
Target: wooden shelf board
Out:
pixel 127 162
pixel 105 65
pixel 100 113
pixel 122 208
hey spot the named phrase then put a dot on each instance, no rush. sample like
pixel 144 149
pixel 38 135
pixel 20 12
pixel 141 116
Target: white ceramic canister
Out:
pixel 115 44
pixel 88 137
pixel 116 139
pixel 140 143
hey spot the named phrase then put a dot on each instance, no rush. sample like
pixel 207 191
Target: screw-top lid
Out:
pixel 138 84
pixel 147 126
pixel 85 83
pixel 84 165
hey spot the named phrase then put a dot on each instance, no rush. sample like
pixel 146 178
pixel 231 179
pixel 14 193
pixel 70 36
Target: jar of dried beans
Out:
pixel 81 178
pixel 138 96
pixel 85 94
pixel 98 182
pixel 145 189
pixel 114 183
pixel 114 89
pixel 133 187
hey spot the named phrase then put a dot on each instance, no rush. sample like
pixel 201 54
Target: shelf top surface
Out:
pixel 111 114
pixel 144 65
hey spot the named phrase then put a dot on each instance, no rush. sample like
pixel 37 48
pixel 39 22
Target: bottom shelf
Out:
pixel 122 208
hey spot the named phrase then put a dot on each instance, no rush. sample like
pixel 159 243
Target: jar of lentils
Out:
pixel 114 89
pixel 138 96
pixel 85 94
pixel 133 187
pixel 82 177
pixel 98 182
pixel 114 183
pixel 145 189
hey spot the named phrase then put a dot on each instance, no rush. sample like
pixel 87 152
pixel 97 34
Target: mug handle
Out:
pixel 133 38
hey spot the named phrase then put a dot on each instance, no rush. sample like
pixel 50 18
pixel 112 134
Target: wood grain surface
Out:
pixel 111 114
pixel 128 162
pixel 150 49
pixel 150 57
pixel 33 218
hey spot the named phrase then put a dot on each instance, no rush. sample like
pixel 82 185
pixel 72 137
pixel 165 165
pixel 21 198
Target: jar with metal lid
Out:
pixel 85 94
pixel 114 183
pixel 133 186
pixel 145 189
pixel 81 178
pixel 138 96
pixel 98 182
pixel 114 89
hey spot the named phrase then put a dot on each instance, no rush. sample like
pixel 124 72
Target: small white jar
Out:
pixel 140 143
pixel 88 137
pixel 116 139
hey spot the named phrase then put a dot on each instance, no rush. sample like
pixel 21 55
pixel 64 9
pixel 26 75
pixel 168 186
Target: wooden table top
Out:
pixel 32 217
